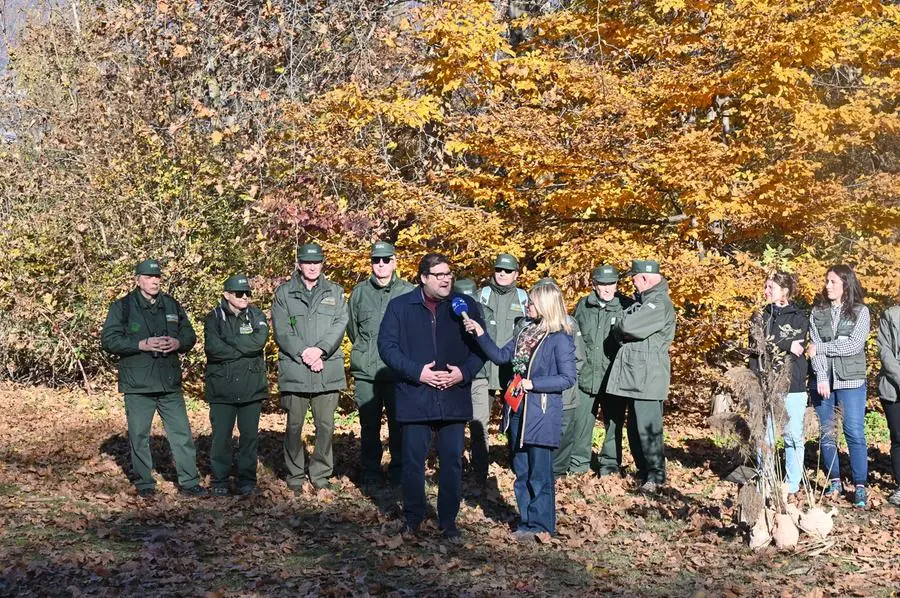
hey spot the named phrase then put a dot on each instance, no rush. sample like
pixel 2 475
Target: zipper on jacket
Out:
pixel 433 331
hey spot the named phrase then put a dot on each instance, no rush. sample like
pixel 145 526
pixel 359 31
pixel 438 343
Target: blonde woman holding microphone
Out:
pixel 542 354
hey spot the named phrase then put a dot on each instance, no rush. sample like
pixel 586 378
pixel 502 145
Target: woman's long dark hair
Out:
pixel 853 292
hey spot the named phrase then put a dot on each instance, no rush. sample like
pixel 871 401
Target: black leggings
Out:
pixel 892 413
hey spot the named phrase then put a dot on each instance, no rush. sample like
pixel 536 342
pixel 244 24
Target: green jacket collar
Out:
pixel 657 290
pixel 594 301
pixel 142 301
pixel 386 288
pixel 500 289
pixel 223 305
pixel 299 288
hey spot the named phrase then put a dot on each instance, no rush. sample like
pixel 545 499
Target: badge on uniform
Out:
pixel 651 306
pixel 246 328
pixel 171 317
pixel 612 321
pixel 134 327
pixel 515 307
pixel 328 301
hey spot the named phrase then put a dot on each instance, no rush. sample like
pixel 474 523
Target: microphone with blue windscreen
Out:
pixel 460 308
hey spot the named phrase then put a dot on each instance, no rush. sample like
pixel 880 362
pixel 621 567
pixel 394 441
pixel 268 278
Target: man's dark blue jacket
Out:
pixel 409 339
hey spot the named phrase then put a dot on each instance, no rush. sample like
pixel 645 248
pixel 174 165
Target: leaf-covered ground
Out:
pixel 70 524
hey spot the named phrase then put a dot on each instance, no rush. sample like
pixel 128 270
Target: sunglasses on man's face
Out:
pixel 381 260
pixel 504 270
pixel 241 294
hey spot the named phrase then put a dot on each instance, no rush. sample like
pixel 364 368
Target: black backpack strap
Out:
pixel 125 305
pixel 220 317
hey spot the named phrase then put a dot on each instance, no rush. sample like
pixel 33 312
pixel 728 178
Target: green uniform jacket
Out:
pixel 597 320
pixel 490 327
pixel 367 305
pixel 570 395
pixel 889 351
pixel 642 369
pixel 302 319
pixel 132 319
pixel 235 366
pixel 506 309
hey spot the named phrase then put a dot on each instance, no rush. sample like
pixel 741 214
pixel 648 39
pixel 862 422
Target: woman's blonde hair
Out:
pixel 548 302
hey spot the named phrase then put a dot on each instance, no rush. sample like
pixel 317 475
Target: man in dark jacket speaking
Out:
pixel 434 361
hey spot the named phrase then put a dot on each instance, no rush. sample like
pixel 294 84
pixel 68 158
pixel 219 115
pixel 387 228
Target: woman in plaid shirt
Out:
pixel 839 326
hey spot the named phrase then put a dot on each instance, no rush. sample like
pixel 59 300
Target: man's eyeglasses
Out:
pixel 382 260
pixel 242 294
pixel 504 270
pixel 441 275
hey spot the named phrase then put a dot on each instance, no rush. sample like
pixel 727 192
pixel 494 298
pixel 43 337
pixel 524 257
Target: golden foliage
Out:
pixel 722 139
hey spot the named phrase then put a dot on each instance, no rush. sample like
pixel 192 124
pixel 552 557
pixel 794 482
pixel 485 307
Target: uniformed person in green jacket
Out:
pixel 149 331
pixel 374 381
pixel 309 316
pixel 641 370
pixel 505 304
pixel 478 426
pixel 597 315
pixel 235 334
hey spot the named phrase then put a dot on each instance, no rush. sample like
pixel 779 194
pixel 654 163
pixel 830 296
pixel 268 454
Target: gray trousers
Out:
pixel 321 463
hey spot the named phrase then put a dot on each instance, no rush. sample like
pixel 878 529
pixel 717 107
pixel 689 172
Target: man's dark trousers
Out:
pixel 613 410
pixel 222 417
pixel 417 439
pixel 371 399
pixel 645 439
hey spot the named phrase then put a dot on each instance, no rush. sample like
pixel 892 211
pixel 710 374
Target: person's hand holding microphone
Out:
pixel 461 308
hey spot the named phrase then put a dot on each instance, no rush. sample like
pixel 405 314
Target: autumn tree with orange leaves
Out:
pixel 722 138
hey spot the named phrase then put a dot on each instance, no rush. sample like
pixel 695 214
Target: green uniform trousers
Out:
pixel 613 411
pixel 373 398
pixel 482 405
pixel 139 412
pixel 583 422
pixel 321 463
pixel 222 417
pixel 645 438
pixel 576 444
pixel 562 455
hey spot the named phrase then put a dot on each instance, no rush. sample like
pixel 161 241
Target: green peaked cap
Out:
pixel 311 252
pixel 382 249
pixel 507 261
pixel 237 282
pixel 465 286
pixel 148 268
pixel 644 267
pixel 605 274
